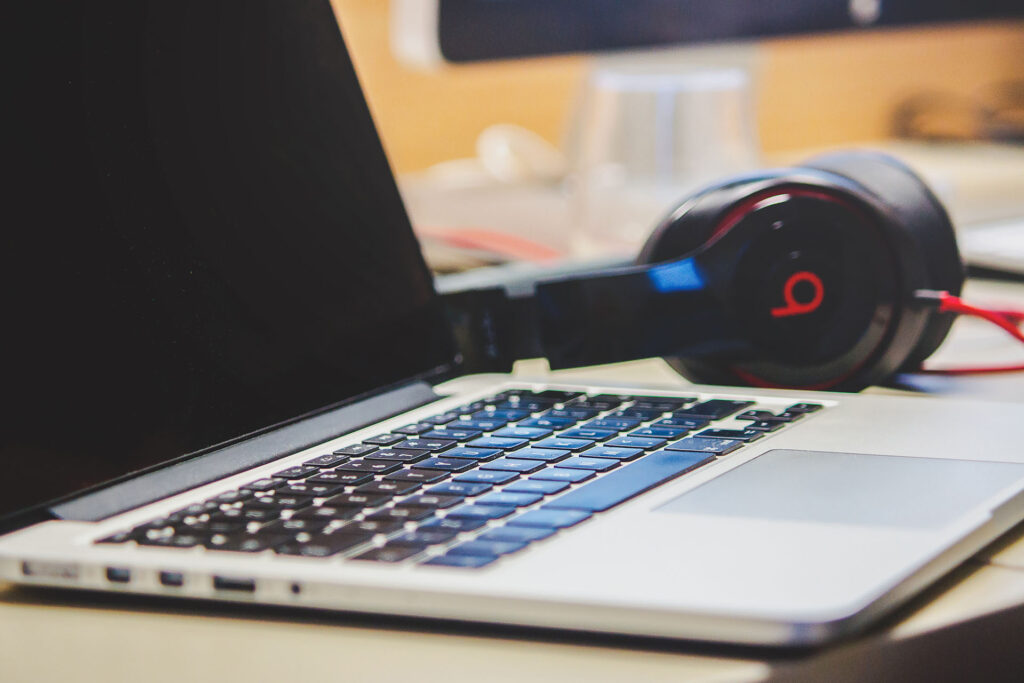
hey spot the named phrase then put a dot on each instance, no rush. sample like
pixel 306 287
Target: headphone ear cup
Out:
pixel 917 211
pixel 860 229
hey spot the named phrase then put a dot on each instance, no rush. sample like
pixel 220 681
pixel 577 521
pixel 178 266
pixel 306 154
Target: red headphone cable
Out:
pixel 1009 320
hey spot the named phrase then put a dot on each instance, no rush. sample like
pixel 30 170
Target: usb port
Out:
pixel 174 579
pixel 226 583
pixel 119 575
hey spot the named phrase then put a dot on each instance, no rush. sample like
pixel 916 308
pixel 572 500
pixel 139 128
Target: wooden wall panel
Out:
pixel 814 91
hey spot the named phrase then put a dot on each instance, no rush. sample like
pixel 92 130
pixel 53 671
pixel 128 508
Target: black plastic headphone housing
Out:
pixel 907 244
pixel 802 277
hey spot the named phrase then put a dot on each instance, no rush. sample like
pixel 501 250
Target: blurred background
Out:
pixel 543 156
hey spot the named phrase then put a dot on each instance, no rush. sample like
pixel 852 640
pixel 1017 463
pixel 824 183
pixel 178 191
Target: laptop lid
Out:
pixel 204 238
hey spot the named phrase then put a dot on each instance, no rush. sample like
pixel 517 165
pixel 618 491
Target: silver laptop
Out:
pixel 229 377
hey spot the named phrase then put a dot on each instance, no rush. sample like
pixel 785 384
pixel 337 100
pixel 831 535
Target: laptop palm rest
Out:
pixel 850 488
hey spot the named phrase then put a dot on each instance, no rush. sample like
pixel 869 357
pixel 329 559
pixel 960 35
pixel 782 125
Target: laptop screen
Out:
pixel 203 237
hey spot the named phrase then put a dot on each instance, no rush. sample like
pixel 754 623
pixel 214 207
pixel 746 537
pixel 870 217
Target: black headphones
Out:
pixel 803 277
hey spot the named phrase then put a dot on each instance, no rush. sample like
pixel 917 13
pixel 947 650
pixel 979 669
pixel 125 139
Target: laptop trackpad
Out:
pixel 849 488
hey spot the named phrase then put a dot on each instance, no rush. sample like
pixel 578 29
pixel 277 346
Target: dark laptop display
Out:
pixel 207 237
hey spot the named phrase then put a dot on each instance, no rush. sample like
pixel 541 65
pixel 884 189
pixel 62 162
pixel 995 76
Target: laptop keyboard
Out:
pixel 467 487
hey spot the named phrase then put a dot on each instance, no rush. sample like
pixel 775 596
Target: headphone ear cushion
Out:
pixel 918 211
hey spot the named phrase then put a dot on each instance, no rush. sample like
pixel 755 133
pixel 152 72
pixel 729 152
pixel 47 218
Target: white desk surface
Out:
pixel 965 628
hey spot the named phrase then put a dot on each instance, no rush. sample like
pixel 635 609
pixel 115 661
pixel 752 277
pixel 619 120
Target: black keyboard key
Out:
pixel 487 425
pixel 617 423
pixel 415 429
pixel 572 412
pixel 341 478
pixel 547 422
pixel 119 537
pixel 460 488
pixel 760 415
pixel 514 465
pixel 299 472
pixel 325 461
pixel 635 414
pixel 389 553
pixel 356 450
pixel 411 513
pixel 308 488
pixel 264 484
pixel 156 527
pixel 588 433
pixel 358 500
pixel 391 488
pixel 211 526
pixel 473 453
pixel 486 548
pixel 178 540
pixel 434 445
pixel 715 409
pixel 279 502
pixel 560 395
pixel 804 408
pixel 397 455
pixel 766 425
pixel 643 442
pixel 371 526
pixel 530 433
pixel 661 432
pixel 424 537
pixel 328 512
pixel 536 486
pixel 246 543
pixel 543 454
pixel 370 466
pixel 509 498
pixel 740 434
pixel 417 476
pixel 597 403
pixel 505 414
pixel 703 445
pixel 463 561
pixel 259 514
pixel 480 512
pixel 456 524
pixel 442 419
pixel 452 432
pixel 533 405
pixel 516 534
pixel 295 525
pixel 661 405
pixel 446 464
pixel 549 518
pixel 615 453
pixel 606 492
pixel 487 477
pixel 593 464
pixel 196 509
pixel 473 407
pixel 430 500
pixel 323 545
pixel 571 476
pixel 682 422
pixel 384 439
pixel 497 442
pixel 559 443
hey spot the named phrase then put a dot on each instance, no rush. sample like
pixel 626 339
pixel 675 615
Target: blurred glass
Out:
pixel 643 139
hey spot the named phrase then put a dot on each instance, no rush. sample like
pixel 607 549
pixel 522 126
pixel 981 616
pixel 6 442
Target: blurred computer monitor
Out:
pixel 471 30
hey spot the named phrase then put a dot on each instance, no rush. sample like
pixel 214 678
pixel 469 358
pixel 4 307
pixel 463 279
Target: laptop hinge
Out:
pixel 238 457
